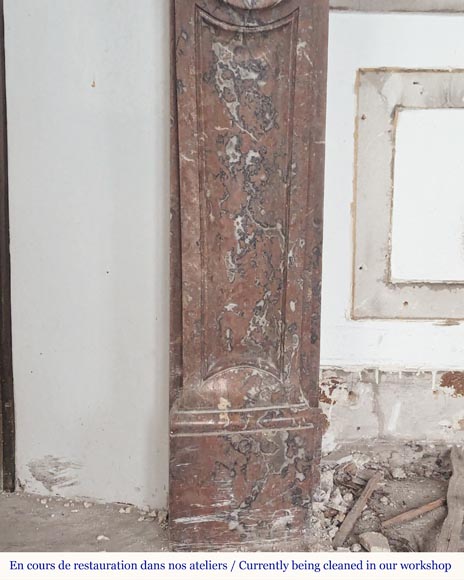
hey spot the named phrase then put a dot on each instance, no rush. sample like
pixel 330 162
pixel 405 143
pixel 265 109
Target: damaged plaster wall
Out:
pixel 389 379
pixel 88 114
pixel 392 405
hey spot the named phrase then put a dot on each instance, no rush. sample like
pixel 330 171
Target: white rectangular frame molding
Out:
pixel 382 93
pixel 444 6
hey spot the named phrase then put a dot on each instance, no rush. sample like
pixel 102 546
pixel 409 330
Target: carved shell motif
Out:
pixel 252 4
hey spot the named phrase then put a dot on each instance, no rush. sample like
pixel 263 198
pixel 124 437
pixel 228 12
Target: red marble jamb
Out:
pixel 246 239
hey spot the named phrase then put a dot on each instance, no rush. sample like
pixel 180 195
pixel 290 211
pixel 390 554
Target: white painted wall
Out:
pixel 88 121
pixel 370 41
pixel 88 145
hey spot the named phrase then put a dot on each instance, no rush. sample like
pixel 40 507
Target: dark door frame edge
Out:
pixel 6 351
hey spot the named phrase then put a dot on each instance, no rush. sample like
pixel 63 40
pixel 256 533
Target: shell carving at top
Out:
pixel 252 4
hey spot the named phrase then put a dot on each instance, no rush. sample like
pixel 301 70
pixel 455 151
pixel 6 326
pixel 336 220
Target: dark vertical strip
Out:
pixel 6 363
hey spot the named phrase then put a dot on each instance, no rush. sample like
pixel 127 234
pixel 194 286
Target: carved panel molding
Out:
pixel 253 4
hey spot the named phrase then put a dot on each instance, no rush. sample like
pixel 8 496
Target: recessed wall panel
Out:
pixel 428 201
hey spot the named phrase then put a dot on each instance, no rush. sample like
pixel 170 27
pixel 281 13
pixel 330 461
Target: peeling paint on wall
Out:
pixel 454 380
pixel 54 473
pixel 372 403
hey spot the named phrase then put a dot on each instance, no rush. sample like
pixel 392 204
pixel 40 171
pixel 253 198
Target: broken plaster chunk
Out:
pixel 344 460
pixel 336 501
pixel 398 473
pixel 319 496
pixel 326 483
pixel 332 532
pixel 318 506
pixel 348 498
pixel 356 547
pixel 396 459
pixel 374 542
pixel 163 518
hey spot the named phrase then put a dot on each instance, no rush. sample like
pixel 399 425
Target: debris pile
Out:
pixel 381 499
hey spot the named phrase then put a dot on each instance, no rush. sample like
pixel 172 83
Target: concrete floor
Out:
pixel 30 523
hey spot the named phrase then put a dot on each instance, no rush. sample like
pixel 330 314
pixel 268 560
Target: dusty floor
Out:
pixel 29 523
pixel 412 475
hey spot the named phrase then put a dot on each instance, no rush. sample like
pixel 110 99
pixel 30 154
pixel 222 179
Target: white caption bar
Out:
pixel 243 565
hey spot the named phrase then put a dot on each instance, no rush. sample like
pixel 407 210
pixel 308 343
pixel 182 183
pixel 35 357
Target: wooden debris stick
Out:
pixel 449 538
pixel 356 510
pixel 414 513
